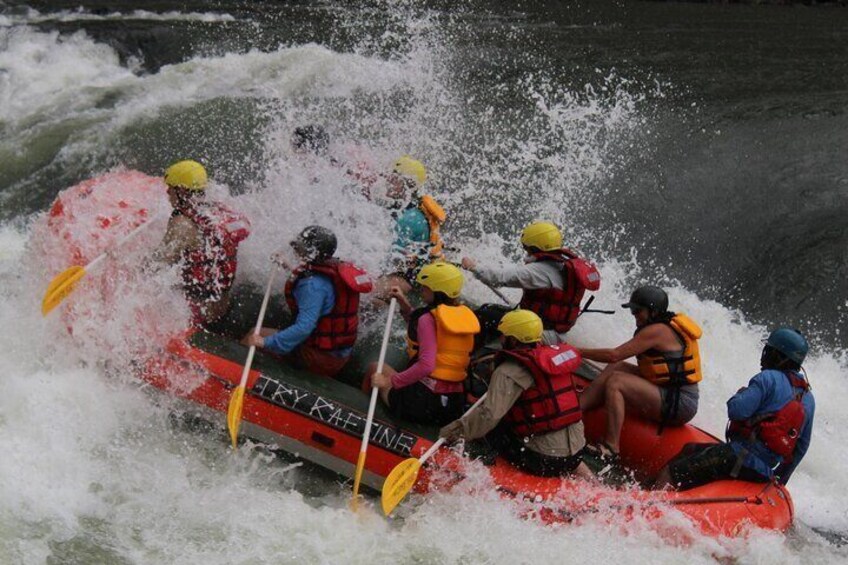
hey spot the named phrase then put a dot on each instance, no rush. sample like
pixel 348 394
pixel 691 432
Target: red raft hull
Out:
pixel 322 421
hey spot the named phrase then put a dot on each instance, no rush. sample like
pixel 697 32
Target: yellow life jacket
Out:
pixel 674 367
pixel 436 216
pixel 456 327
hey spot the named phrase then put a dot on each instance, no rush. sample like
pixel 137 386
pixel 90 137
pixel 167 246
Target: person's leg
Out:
pixel 320 362
pixel 593 396
pixel 625 390
pixel 697 465
pixel 584 472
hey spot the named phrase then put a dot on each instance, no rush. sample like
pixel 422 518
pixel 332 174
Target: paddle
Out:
pixel 64 283
pixel 402 478
pixel 237 399
pixel 491 287
pixel 360 463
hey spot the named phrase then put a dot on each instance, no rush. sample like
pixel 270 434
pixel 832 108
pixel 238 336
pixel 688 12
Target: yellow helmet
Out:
pixel 189 175
pixel 441 277
pixel 523 325
pixel 542 235
pixel 412 168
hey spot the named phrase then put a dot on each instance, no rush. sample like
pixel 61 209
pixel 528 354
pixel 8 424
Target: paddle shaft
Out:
pixel 491 287
pixel 372 405
pixel 261 318
pixel 94 262
pixel 441 441
pixel 494 289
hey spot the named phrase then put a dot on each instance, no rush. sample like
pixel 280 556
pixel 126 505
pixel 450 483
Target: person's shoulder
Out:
pixel 182 227
pixel 315 281
pixel 656 330
pixel 768 377
pixel 181 221
pixel 515 371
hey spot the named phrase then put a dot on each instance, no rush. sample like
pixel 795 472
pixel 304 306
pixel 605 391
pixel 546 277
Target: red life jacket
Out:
pixel 779 431
pixel 209 272
pixel 551 404
pixel 337 329
pixel 559 308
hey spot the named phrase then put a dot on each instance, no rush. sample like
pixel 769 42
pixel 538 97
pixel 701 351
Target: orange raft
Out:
pixel 322 420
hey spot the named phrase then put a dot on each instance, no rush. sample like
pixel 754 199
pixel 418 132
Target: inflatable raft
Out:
pixel 322 420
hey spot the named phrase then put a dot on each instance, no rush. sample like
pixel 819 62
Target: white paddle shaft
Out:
pixel 435 447
pixel 249 362
pixel 382 359
pixel 93 263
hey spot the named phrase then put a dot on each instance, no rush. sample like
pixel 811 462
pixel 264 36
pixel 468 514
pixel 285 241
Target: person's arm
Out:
pixel 747 400
pixel 641 342
pixel 405 307
pixel 181 235
pixel 310 294
pixel 426 362
pixel 503 392
pixel 529 276
pixel 801 446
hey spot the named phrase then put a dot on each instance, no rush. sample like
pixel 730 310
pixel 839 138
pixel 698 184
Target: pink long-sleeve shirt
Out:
pixel 425 364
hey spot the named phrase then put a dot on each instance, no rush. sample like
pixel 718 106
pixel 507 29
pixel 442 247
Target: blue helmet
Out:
pixel 790 343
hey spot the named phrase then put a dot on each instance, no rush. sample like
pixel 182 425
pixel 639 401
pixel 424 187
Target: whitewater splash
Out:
pixel 93 468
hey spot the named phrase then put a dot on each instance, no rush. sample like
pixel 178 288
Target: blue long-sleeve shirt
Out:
pixel 767 392
pixel 315 297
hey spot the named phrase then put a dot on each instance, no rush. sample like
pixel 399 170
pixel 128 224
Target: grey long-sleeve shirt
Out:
pixel 533 275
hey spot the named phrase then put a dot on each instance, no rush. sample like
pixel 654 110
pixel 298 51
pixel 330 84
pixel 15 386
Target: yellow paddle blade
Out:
pixel 60 287
pixel 234 414
pixel 398 484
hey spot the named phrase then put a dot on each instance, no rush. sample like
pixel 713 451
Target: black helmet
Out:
pixel 651 298
pixel 312 138
pixel 315 243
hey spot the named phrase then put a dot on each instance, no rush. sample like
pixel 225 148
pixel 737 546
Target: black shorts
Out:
pixel 512 449
pixel 417 403
pixel 701 463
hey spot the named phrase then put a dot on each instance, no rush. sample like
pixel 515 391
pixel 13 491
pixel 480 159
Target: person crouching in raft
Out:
pixel 771 424
pixel 203 236
pixel 554 279
pixel 531 414
pixel 323 296
pixel 419 218
pixel 662 386
pixel 440 339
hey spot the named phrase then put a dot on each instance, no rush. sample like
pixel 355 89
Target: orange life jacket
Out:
pixel 456 327
pixel 552 403
pixel 674 367
pixel 436 216
pixel 337 329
